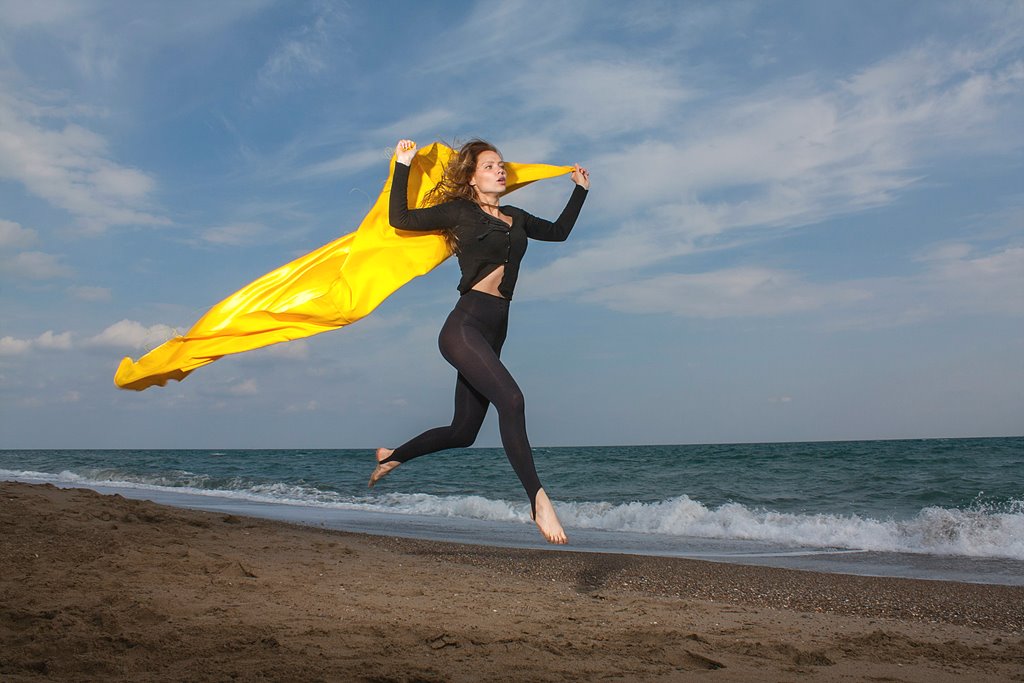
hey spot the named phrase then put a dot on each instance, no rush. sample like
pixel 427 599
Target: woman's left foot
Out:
pixel 547 520
pixel 382 468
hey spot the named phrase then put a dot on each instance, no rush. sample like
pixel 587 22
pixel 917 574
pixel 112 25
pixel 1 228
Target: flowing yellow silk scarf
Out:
pixel 335 285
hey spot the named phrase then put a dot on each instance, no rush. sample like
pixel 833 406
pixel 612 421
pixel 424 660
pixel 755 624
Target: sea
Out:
pixel 939 509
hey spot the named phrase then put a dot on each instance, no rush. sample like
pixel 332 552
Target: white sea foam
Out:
pixel 977 532
pixel 939 531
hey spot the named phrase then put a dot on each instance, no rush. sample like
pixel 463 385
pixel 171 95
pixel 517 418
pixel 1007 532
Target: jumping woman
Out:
pixel 490 241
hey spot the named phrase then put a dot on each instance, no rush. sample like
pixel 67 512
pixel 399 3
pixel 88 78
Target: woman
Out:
pixel 490 241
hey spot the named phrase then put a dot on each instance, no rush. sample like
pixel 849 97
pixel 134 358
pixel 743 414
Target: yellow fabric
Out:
pixel 335 285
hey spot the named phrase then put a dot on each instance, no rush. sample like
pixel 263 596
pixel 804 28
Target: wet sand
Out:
pixel 100 588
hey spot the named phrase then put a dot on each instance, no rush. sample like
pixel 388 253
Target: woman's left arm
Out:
pixel 540 229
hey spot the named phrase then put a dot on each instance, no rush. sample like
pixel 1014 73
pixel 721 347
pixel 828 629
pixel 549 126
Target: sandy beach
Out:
pixel 100 588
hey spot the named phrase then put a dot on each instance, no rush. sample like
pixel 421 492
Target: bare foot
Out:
pixel 381 470
pixel 547 520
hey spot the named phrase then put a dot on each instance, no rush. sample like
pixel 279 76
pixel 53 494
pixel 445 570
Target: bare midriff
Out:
pixel 489 285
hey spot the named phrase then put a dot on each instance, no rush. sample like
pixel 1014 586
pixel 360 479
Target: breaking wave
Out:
pixel 984 530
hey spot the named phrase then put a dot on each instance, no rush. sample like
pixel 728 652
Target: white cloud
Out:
pixel 303 53
pixel 13 235
pixel 427 125
pixel 733 292
pixel 944 252
pixel 237 234
pixel 790 155
pixel 70 167
pixel 36 265
pixel 597 262
pixel 292 350
pixel 49 340
pixel 119 182
pixel 599 98
pixel 132 335
pixel 295 56
pixel 536 27
pixel 245 233
pixel 308 407
pixel 417 123
pixel 10 346
pixel 99 38
pixel 95 58
pixel 956 280
pixel 973 283
pixel 88 293
pixel 784 159
pixel 347 163
pixel 246 388
pixel 20 14
pixel 689 23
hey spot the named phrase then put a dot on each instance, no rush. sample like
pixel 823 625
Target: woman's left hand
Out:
pixel 581 176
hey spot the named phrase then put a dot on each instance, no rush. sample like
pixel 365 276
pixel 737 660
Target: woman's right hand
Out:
pixel 405 150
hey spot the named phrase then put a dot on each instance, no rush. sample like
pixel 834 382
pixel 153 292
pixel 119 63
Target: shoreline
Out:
pixel 508 534
pixel 99 587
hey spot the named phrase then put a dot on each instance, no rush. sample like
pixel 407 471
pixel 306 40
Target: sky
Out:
pixel 806 219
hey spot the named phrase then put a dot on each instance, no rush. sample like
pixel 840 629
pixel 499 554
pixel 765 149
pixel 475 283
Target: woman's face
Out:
pixel 489 177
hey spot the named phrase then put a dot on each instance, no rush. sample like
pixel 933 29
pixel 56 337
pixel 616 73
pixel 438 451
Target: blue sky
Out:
pixel 806 220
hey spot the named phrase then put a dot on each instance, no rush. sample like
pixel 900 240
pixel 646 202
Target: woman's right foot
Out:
pixel 547 521
pixel 382 468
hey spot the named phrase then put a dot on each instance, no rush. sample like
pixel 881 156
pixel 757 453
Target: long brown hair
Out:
pixel 454 182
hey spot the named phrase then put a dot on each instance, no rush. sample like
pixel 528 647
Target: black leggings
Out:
pixel 471 341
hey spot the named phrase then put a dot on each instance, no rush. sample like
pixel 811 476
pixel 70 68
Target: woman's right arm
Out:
pixel 399 214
